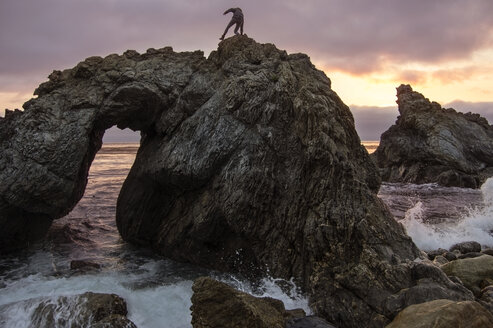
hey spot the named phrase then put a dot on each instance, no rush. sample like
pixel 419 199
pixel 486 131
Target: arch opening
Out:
pixel 89 230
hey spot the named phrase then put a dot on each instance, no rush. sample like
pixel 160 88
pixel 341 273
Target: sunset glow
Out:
pixel 444 49
pixel 467 80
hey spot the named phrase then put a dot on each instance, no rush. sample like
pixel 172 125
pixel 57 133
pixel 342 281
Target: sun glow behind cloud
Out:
pixel 467 79
pixel 443 48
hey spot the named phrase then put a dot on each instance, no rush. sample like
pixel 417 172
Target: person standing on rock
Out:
pixel 236 19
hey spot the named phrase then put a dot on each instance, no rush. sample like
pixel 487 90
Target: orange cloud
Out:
pixel 446 76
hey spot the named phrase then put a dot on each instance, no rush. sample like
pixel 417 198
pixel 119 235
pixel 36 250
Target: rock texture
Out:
pixel 471 271
pixel 249 162
pixel 443 314
pixel 467 247
pixel 215 304
pixel 432 144
pixel 85 310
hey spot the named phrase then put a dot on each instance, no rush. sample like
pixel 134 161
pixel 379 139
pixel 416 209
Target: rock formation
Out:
pixel 432 144
pixel 249 162
pixel 471 271
pixel 216 304
pixel 84 310
pixel 443 314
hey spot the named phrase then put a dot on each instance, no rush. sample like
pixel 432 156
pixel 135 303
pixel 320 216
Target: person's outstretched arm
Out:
pixel 230 10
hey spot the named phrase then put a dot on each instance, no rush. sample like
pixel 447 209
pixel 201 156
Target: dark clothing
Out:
pixel 236 19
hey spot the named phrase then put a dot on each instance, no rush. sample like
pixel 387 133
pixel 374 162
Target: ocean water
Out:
pixel 157 290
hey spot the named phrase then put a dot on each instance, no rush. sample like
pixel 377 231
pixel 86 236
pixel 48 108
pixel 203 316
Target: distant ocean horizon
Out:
pixel 370 145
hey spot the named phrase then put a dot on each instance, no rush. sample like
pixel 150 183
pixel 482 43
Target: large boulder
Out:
pixel 471 271
pixel 443 314
pixel 249 162
pixel 429 144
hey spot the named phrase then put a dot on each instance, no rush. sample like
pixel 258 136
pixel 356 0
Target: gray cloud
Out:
pixel 354 35
pixel 485 109
pixel 358 36
pixel 372 121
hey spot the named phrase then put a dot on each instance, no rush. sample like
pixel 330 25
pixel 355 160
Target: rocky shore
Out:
pixel 467 264
pixel 431 144
pixel 94 310
pixel 249 163
pixel 215 304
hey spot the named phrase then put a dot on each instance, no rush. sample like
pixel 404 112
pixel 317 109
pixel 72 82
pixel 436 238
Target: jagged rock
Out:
pixel 85 310
pixel 467 247
pixel 443 314
pixel 248 162
pixel 431 144
pixel 471 271
pixel 215 304
pixel 430 284
pixel 435 253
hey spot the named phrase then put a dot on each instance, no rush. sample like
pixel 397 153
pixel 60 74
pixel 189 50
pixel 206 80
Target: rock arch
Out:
pixel 248 162
pixel 48 148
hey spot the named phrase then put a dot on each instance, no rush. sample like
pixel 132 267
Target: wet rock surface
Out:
pixel 85 310
pixel 471 271
pixel 443 314
pixel 248 162
pixel 215 304
pixel 429 143
pixel 467 247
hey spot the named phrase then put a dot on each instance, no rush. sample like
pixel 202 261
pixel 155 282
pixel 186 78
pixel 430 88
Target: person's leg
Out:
pixel 226 30
pixel 237 27
pixel 241 28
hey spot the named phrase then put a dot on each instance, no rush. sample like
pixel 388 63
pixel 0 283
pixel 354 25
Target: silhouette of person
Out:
pixel 236 19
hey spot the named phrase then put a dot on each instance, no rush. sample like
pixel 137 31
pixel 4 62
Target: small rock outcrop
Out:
pixel 443 314
pixel 467 247
pixel 85 310
pixel 216 304
pixel 431 144
pixel 249 162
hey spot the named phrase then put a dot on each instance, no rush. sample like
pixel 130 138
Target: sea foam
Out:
pixel 477 225
pixel 150 305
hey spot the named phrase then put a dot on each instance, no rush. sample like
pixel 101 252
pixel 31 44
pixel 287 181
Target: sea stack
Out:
pixel 431 144
pixel 249 162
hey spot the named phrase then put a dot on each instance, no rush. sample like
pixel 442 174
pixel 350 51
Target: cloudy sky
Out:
pixel 443 48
